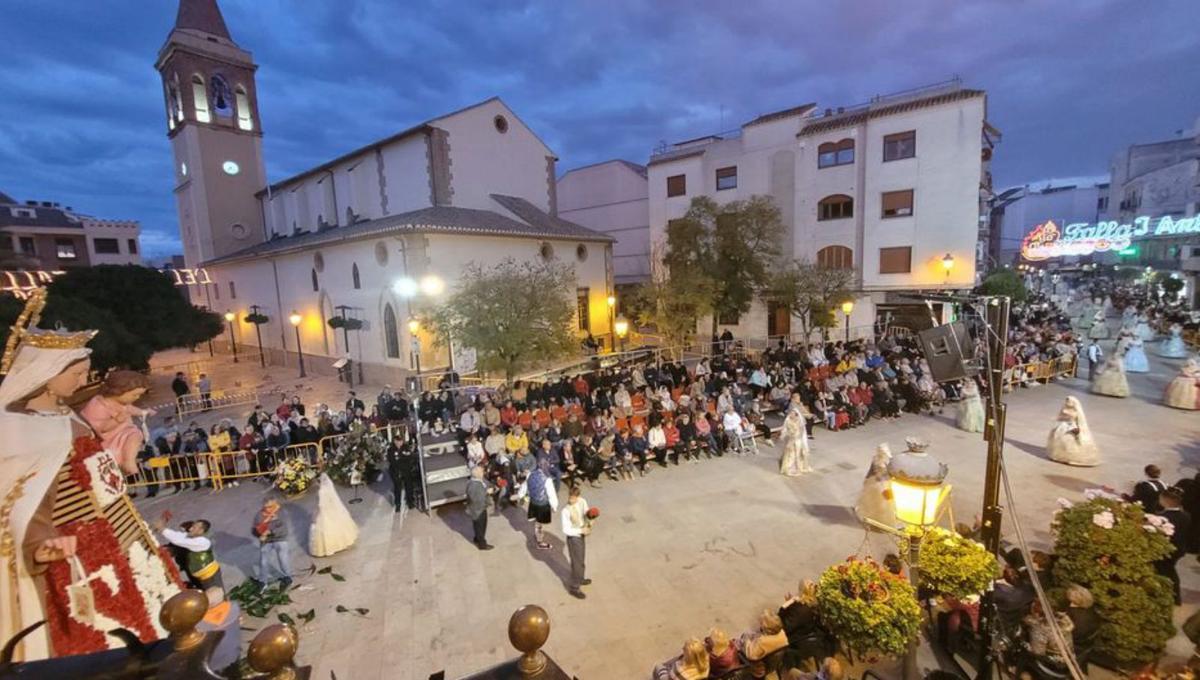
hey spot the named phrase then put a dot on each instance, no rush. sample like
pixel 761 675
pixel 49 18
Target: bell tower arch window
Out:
pixel 244 119
pixel 354 275
pixel 200 99
pixel 390 336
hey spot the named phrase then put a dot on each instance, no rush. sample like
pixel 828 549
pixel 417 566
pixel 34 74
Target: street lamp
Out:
pixel 847 307
pixel 621 326
pixel 295 320
pixel 612 307
pixel 229 317
pixel 947 264
pixel 917 483
pixel 413 327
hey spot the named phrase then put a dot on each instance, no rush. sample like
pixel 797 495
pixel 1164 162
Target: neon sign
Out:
pixel 21 283
pixel 189 277
pixel 1047 240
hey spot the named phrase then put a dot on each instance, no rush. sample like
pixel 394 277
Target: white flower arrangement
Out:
pixel 1104 520
pixel 1159 524
pixel 1093 494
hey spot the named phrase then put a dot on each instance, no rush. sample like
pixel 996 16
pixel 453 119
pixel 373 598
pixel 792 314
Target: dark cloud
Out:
pixel 1069 83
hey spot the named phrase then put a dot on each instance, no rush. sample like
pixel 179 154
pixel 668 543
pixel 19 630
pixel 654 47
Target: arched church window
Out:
pixel 170 108
pixel 177 97
pixel 390 336
pixel 316 284
pixel 245 121
pixel 354 275
pixel 222 96
pixel 200 99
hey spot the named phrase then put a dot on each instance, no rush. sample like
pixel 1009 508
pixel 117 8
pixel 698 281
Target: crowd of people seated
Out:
pixel 261 441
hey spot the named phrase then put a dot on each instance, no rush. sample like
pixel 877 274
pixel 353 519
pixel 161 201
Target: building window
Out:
pixel 676 185
pixel 729 318
pixel 245 122
pixel 28 245
pixel 133 246
pixel 727 178
pixel 178 98
pixel 6 242
pixel 583 308
pixel 232 291
pixel 1102 204
pixel 65 248
pixel 354 276
pixel 900 145
pixel 390 337
pixel 895 260
pixel 581 252
pixel 315 284
pixel 898 203
pixel 832 154
pixel 107 246
pixel 216 289
pixel 501 124
pixel 200 99
pixel 835 257
pixel 835 207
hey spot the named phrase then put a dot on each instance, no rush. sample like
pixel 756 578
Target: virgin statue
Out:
pixel 76 553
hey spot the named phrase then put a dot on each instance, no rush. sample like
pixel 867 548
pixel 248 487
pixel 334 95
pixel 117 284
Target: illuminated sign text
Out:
pixel 1047 240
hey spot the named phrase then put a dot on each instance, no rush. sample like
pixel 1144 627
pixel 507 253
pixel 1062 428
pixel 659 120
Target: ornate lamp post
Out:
pixel 295 320
pixel 413 327
pixel 229 317
pixel 847 307
pixel 612 324
pixel 621 326
pixel 918 489
pixel 257 318
pixel 947 265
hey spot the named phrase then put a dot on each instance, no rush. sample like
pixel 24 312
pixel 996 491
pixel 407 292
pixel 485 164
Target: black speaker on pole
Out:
pixel 949 349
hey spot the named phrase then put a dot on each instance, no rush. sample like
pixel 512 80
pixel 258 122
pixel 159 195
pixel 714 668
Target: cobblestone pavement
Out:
pixel 674 553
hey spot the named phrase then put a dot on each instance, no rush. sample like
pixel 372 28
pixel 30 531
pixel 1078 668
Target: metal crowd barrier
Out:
pixel 1041 371
pixel 217 399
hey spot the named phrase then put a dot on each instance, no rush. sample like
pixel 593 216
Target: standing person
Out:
pixel 1146 492
pixel 543 501
pixel 200 562
pixel 333 529
pixel 1171 501
pixel 477 494
pixel 181 389
pixel 354 404
pixel 205 387
pixel 794 461
pixel 273 559
pixel 576 526
pixel 404 470
pixel 1094 355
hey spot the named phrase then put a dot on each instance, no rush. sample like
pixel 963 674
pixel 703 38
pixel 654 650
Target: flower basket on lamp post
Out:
pixel 258 319
pixel 868 609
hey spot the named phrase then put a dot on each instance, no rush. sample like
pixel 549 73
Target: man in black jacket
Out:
pixel 1147 491
pixel 1171 501
pixel 404 470
pixel 477 493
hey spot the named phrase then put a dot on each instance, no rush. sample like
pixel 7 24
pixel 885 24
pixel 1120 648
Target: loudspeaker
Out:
pixel 948 348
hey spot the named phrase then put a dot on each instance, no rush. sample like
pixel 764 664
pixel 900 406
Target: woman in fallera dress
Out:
pixel 1174 347
pixel 795 446
pixel 1099 329
pixel 1071 440
pixel 1182 392
pixel 1135 356
pixel 1143 329
pixel 1111 380
pixel 970 408
pixel 333 529
pixel 875 499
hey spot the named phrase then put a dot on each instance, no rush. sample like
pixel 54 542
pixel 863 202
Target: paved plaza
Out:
pixel 675 553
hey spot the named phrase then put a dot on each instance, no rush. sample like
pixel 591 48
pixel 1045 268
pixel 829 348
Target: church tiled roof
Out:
pixel 203 16
pixel 530 222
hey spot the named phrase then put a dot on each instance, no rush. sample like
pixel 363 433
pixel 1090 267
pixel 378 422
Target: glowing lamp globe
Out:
pixel 229 317
pixel 294 318
pixel 847 307
pixel 612 300
pixel 947 262
pixel 405 287
pixel 414 326
pixel 622 327
pixel 432 285
pixel 918 486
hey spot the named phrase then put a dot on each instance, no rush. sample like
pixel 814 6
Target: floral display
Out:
pixel 956 566
pixel 293 477
pixel 354 455
pixel 867 608
pixel 1109 546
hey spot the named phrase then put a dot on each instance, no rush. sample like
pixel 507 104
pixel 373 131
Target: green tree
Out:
pixel 512 314
pixel 144 300
pixel 811 292
pixel 128 305
pixel 1004 282
pixel 674 299
pixel 1171 287
pixel 725 250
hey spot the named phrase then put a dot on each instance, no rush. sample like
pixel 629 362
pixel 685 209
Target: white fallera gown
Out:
pixel 1071 440
pixel 1174 347
pixel 874 501
pixel 333 529
pixel 970 409
pixel 1111 380
pixel 795 447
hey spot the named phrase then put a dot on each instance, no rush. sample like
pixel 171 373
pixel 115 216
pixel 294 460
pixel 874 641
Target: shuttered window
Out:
pixel 895 260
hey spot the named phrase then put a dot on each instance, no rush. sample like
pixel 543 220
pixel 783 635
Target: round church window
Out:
pixel 501 124
pixel 239 231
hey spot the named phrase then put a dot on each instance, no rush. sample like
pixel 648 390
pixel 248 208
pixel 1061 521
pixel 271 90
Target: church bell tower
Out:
pixel 215 133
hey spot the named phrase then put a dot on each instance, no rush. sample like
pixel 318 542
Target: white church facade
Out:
pixel 377 234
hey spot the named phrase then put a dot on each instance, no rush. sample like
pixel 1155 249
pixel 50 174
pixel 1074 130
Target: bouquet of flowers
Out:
pixel 292 477
pixel 956 566
pixel 867 608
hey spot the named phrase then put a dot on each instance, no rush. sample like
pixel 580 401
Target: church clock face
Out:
pixel 230 168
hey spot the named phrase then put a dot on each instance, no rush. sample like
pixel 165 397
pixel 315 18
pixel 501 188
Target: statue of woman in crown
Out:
pixel 74 552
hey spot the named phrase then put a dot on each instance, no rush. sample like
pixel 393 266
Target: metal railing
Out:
pixel 1041 371
pixel 217 399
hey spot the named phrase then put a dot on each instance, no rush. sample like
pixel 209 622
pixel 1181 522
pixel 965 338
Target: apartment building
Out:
pixel 47 236
pixel 891 188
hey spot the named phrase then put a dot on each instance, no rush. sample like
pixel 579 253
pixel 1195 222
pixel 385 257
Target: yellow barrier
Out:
pixel 1041 371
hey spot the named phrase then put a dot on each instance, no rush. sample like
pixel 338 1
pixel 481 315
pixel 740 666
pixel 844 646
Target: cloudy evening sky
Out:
pixel 1069 82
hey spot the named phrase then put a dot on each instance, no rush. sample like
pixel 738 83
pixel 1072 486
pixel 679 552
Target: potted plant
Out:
pixel 1109 546
pixel 868 609
pixel 350 324
pixel 955 566
pixel 292 477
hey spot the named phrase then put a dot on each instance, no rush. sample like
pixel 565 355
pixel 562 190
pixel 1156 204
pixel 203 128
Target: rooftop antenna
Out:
pixel 722 117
